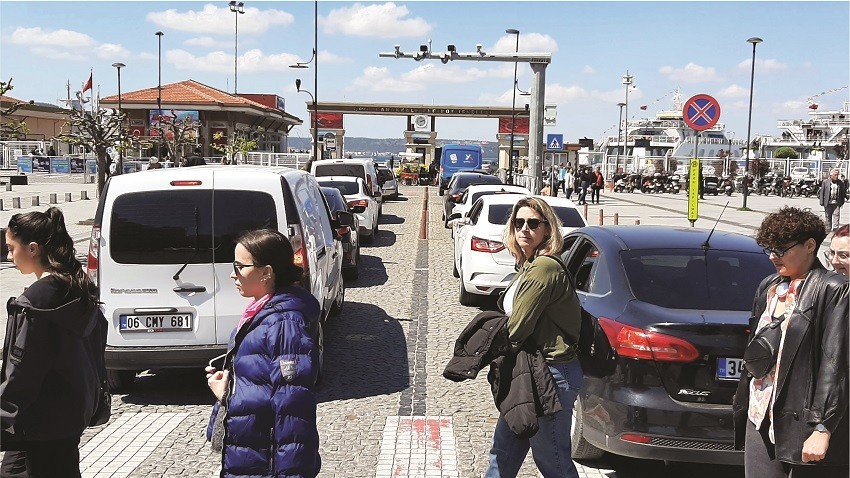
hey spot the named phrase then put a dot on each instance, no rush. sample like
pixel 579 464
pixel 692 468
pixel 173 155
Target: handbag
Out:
pixel 103 407
pixel 103 402
pixel 762 351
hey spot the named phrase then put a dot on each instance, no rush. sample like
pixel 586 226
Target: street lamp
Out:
pixel 159 94
pixel 755 41
pixel 627 80
pixel 237 9
pixel 512 31
pixel 619 131
pixel 120 167
pixel 315 119
pixel 315 58
pixel 729 159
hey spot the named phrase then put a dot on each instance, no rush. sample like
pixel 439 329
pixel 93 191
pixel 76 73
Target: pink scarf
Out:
pixel 253 308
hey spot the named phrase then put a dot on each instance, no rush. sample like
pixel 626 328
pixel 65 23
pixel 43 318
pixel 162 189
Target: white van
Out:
pixel 161 252
pixel 358 168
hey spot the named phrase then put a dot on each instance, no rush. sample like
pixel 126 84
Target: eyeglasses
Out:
pixel 842 255
pixel 533 223
pixel 780 252
pixel 237 267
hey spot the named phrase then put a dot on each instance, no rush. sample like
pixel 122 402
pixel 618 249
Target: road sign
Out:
pixel 701 112
pixel 330 141
pixel 554 142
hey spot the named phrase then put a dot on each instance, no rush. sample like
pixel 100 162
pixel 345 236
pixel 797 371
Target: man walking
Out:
pixel 569 181
pixel 832 195
pixel 598 183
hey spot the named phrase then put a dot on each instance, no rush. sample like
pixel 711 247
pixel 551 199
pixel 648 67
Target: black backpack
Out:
pixel 595 353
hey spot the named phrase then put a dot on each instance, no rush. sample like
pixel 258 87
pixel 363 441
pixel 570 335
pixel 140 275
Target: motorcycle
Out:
pixel 674 184
pixel 657 183
pixel 711 185
pixel 633 182
pixel 727 186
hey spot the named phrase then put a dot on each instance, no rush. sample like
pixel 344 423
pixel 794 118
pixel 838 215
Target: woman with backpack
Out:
pixel 50 381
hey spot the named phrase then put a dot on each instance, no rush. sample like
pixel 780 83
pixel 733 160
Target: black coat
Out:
pixel 812 383
pixel 823 193
pixel 528 392
pixel 49 376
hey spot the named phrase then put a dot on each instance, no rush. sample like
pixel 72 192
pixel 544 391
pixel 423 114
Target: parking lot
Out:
pixel 385 409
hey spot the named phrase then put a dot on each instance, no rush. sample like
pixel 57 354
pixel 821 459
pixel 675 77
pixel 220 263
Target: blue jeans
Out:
pixel 550 446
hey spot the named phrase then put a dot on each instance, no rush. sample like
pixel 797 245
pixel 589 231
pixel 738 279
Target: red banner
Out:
pixel 520 125
pixel 328 120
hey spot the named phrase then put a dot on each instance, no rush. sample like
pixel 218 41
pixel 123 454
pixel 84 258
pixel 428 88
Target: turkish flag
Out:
pixel 87 86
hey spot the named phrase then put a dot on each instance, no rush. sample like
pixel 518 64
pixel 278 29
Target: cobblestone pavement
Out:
pixel 383 389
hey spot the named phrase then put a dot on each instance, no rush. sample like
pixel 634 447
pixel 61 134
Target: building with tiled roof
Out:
pixel 43 120
pixel 261 116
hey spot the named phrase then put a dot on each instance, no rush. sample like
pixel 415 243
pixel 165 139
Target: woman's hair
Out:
pixel 270 247
pixel 552 243
pixel 791 225
pixel 47 229
pixel 842 231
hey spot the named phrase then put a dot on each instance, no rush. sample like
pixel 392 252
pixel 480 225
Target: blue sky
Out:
pixel 699 47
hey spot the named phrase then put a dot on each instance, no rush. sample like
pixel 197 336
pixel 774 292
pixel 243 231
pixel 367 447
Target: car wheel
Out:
pixel 370 239
pixel 336 308
pixel 353 273
pixel 465 297
pixel 581 448
pixel 120 381
pixel 454 270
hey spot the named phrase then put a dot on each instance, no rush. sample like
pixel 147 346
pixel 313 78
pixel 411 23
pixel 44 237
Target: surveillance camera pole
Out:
pixel 538 62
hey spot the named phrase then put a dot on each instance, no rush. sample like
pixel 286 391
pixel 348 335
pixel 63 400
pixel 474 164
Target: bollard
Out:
pixel 52 198
pixel 616 218
pixel 601 217
pixel 637 222
pixel 67 197
pixel 1 208
pixel 8 186
pixel 35 200
pixel 84 195
pixel 585 211
pixel 16 203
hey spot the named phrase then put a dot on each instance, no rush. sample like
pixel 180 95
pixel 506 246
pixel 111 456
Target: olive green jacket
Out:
pixel 546 309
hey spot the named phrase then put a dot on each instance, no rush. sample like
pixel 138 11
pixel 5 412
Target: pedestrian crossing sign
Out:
pixel 554 142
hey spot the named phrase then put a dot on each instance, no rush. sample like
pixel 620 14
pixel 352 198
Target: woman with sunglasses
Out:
pixel 264 421
pixel 838 253
pixel 542 307
pixel 791 414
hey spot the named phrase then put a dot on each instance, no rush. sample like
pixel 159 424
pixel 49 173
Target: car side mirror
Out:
pixel 344 218
pixel 454 216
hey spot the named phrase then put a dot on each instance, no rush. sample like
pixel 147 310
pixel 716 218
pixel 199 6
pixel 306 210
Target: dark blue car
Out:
pixel 675 305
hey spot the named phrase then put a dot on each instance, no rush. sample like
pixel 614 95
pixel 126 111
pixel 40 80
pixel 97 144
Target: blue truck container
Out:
pixel 458 157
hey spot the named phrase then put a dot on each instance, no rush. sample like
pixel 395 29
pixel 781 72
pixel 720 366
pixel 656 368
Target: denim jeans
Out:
pixel 550 446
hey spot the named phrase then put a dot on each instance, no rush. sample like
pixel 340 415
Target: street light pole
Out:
pixel 315 115
pixel 730 134
pixel 159 94
pixel 513 31
pixel 627 80
pixel 300 64
pixel 120 167
pixel 619 132
pixel 755 41
pixel 237 9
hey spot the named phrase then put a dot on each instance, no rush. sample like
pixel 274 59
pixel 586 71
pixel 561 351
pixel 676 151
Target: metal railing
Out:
pixel 289 160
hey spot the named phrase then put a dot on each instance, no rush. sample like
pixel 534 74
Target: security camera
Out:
pixel 397 51
pixel 451 48
pixel 478 48
pixel 423 48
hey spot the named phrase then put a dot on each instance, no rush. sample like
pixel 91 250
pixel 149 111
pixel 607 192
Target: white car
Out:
pixel 472 193
pixel 388 181
pixel 481 260
pixel 362 204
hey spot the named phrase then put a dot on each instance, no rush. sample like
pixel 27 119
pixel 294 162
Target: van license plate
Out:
pixel 155 323
pixel 729 368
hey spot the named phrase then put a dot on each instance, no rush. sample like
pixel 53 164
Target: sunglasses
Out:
pixel 843 255
pixel 237 267
pixel 780 252
pixel 533 223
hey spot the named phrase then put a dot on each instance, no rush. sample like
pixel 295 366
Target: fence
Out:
pixel 289 160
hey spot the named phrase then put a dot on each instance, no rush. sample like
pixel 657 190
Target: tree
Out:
pixel 176 133
pixel 98 131
pixel 236 144
pixel 11 129
pixel 786 152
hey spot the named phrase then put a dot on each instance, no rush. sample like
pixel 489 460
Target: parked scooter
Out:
pixel 674 184
pixel 727 186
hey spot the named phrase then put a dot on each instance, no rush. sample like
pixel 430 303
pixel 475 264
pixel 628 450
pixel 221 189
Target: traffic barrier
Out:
pixel 52 198
pixel 35 200
pixel 585 211
pixel 616 219
pixel 601 217
pixel 84 195
pixel 67 197
pixel 1 205
pixel 16 203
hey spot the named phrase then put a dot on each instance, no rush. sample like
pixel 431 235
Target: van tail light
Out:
pixel 92 264
pixel 484 245
pixel 186 183
pixel 644 344
pixel 358 202
pixel 299 246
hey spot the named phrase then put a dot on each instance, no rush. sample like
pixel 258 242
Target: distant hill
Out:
pixel 388 145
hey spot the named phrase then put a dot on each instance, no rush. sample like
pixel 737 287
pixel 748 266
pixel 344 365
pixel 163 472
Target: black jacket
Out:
pixel 826 186
pixel 522 385
pixel 49 381
pixel 812 382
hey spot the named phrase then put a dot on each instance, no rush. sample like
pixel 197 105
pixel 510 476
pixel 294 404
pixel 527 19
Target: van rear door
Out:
pixel 154 226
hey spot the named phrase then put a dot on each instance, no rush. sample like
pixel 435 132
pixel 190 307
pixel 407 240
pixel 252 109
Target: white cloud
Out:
pixel 436 73
pixel 528 43
pixel 51 53
pixel 252 61
pixel 691 73
pixel 557 93
pixel 617 95
pixel 58 38
pixel 148 56
pixel 208 42
pixel 587 69
pixel 735 91
pixel 111 52
pixel 795 105
pixel 762 66
pixel 220 20
pixel 380 80
pixel 328 57
pixel 386 20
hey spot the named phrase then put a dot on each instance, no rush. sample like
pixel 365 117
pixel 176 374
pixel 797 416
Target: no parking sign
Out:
pixel 701 112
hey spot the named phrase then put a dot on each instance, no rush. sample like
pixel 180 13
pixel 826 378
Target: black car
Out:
pixel 675 305
pixel 349 236
pixel 458 184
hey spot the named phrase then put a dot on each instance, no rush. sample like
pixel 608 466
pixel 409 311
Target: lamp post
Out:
pixel 159 94
pixel 628 81
pixel 512 31
pixel 315 58
pixel 730 134
pixel 755 41
pixel 237 9
pixel 315 122
pixel 120 167
pixel 619 132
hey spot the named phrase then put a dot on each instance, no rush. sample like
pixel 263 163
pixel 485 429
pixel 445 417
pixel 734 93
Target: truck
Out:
pixel 457 157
